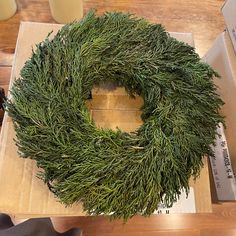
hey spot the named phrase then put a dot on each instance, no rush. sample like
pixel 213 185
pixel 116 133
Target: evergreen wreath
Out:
pixel 115 172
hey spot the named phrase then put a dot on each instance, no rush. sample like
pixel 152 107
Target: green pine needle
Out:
pixel 114 172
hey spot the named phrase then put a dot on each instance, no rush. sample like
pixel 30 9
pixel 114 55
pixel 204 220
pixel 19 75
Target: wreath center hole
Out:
pixel 111 107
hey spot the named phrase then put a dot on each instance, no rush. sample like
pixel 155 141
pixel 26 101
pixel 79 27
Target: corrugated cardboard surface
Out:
pixel 223 59
pixel 22 193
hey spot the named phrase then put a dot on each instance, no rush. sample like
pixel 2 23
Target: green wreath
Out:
pixel 114 172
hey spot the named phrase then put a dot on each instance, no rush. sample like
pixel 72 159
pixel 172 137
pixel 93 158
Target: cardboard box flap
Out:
pixel 222 58
pixel 229 13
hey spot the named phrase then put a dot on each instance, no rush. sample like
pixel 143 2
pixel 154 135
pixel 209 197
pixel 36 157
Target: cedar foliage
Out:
pixel 114 172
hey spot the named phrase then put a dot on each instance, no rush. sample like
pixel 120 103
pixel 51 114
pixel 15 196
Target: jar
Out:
pixel 66 11
pixel 7 9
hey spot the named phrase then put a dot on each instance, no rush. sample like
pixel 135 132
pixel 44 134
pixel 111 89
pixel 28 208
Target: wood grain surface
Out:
pixel 204 19
pixel 221 222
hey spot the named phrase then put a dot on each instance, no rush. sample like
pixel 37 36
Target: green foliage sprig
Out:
pixel 114 172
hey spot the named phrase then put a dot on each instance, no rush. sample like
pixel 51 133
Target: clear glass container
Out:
pixel 7 9
pixel 66 11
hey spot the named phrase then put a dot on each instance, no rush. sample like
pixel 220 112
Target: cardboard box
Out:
pixel 25 195
pixel 223 59
pixel 229 13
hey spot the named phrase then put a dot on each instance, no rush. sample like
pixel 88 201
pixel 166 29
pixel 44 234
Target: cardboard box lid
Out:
pixel 229 13
pixel 22 193
pixel 223 59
